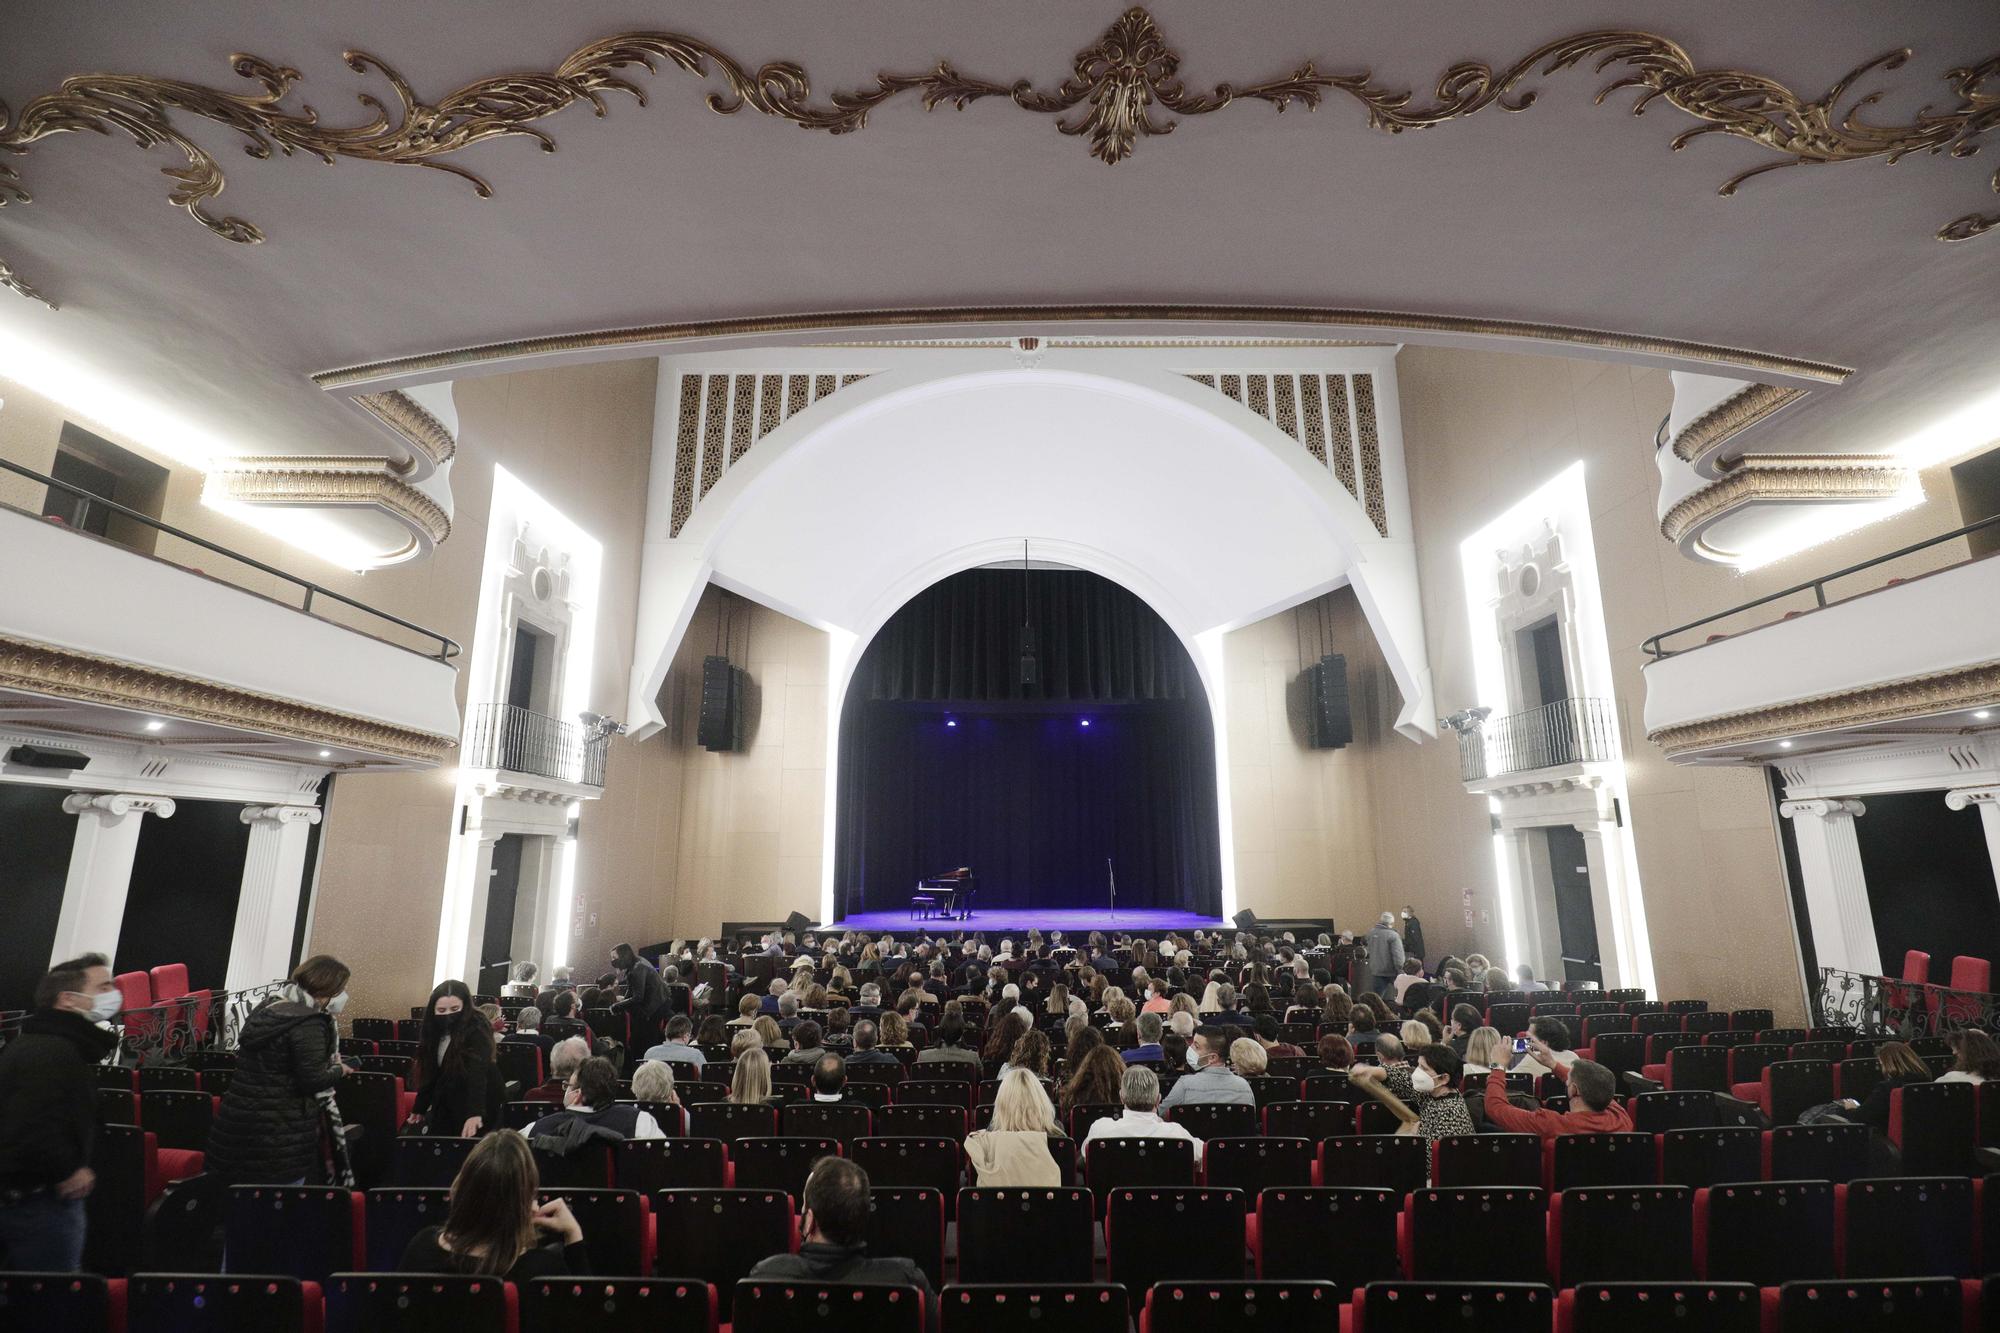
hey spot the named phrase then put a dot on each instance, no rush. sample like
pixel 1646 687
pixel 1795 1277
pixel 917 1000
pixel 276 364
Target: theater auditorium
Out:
pixel 915 668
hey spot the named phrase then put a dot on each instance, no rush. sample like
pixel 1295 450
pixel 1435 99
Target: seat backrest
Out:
pixel 1655 1023
pixel 1620 1052
pixel 394 1215
pixel 924 1121
pixel 303 1231
pixel 1746 1062
pixel 1474 1235
pixel 930 1091
pixel 1793 1085
pixel 1656 1112
pixel 559 1304
pixel 267 1303
pixel 136 988
pixel 1046 1307
pixel 169 981
pixel 821 1121
pixel 1116 1163
pixel 782 1163
pixel 1332 1233
pixel 718 1236
pixel 614 1226
pixel 1971 974
pixel 1766 1232
pixel 1258 1162
pixel 1602 1159
pixel 1916 967
pixel 1908 1227
pixel 1864 1307
pixel 660 1164
pixel 1754 1019
pixel 370 1302
pixel 77 1302
pixel 1423 1307
pixel 1325 1086
pixel 1662 1307
pixel 908 1160
pixel 520 1061
pixel 1704 1021
pixel 730 1121
pixel 1701 1157
pixel 1313 1120
pixel 1698 1068
pixel 1206 1224
pixel 1614 1234
pixel 774 1306
pixel 1935 1126
pixel 124 1158
pixel 1269 1307
pixel 1215 1120
pixel 907 1221
pixel 427 1160
pixel 1025 1235
pixel 1270 1089
pixel 1397 1162
pixel 1487 1159
pixel 1829 1150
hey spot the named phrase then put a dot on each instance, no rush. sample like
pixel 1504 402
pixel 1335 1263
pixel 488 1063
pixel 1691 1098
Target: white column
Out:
pixel 267 909
pixel 100 869
pixel 1606 903
pixel 1843 929
pixel 1987 799
pixel 481 882
pixel 552 928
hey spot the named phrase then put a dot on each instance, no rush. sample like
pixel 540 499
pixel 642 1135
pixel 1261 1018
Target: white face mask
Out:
pixel 1194 1058
pixel 337 1003
pixel 106 1005
pixel 1406 916
pixel 1423 1081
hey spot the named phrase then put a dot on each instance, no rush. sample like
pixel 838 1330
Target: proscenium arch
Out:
pixel 1197 505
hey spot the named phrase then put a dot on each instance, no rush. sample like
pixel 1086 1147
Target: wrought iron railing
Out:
pixel 1884 1007
pixel 1568 731
pixel 171 1032
pixel 520 740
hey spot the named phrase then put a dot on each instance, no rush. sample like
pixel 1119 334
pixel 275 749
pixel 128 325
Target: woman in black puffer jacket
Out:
pixel 267 1132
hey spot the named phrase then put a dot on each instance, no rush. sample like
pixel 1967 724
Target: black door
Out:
pixel 1576 917
pixel 498 944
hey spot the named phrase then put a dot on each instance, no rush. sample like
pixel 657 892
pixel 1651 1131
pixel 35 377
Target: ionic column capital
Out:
pixel 280 814
pixel 1960 797
pixel 1824 808
pixel 117 804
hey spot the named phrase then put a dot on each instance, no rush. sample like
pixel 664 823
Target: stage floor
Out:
pixel 997 921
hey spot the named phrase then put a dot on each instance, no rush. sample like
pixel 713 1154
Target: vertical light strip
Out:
pixel 1209 647
pixel 840 647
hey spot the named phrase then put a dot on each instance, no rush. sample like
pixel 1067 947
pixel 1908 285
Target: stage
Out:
pixel 1019 920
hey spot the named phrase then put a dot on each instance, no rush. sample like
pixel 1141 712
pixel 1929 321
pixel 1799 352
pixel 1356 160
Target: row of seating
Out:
pixel 1764 1233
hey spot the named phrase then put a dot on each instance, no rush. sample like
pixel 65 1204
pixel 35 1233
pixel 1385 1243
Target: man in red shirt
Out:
pixel 1592 1110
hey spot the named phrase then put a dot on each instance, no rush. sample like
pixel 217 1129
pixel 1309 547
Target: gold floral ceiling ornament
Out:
pixel 1123 89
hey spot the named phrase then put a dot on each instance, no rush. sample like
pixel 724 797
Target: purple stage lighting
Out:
pixel 1084 723
pixel 951 722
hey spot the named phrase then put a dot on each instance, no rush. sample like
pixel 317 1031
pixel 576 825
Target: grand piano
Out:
pixel 948 895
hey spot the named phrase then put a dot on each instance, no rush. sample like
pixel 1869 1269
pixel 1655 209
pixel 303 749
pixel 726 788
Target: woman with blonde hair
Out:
pixel 1014 1152
pixel 774 1036
pixel 1485 1051
pixel 493 1225
pixel 892 1031
pixel 1058 1001
pixel 745 1040
pixel 1247 1058
pixel 750 1085
pixel 1211 998
pixel 1416 1035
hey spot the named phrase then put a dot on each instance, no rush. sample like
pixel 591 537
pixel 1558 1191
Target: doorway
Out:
pixel 1576 915
pixel 502 890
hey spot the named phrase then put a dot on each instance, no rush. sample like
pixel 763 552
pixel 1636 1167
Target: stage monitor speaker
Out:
pixel 1245 920
pixel 721 725
pixel 43 756
pixel 1330 723
pixel 797 922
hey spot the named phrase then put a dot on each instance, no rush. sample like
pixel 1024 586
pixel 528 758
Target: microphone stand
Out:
pixel 1112 876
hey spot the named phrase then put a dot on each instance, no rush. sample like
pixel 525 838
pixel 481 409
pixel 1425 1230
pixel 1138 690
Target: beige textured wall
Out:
pixel 581 437
pixel 751 822
pixel 1303 820
pixel 1480 431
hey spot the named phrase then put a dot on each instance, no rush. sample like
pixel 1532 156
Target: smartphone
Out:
pixel 1520 1045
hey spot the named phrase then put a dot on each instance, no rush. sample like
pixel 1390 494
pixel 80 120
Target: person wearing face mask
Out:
pixel 458 1074
pixel 1413 934
pixel 48 1115
pixel 1431 1087
pixel 267 1131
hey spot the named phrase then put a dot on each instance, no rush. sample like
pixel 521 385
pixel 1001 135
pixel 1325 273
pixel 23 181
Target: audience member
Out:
pixel 833 1227
pixel 1385 953
pixel 678 1044
pixel 1975 1058
pixel 950 1048
pixel 1527 984
pixel 1415 1034
pixel 1548 1048
pixel 1412 975
pixel 592 1099
pixel 767 1030
pixel 1247 1057
pixel 1148 1028
pixel 806 1047
pixel 1900 1066
pixel 866 1034
pixel 458 1077
pixel 267 1130
pixel 1210 1081
pixel 750 1083
pixel 1464 1021
pixel 1094 1079
pixel 1267 1036
pixel 493 1223
pixel 1334 1052
pixel 1139 1096
pixel 829 1079
pixel 1014 1151
pixel 528 1022
pixel 653 1082
pixel 746 1012
pixel 1593 1110
pixel 48 1115
pixel 564 1058
pixel 1485 1051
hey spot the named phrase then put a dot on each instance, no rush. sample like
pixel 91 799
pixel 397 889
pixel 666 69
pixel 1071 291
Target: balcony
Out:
pixel 522 743
pixel 1565 733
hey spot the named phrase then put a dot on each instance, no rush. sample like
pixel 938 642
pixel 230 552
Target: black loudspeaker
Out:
pixel 1329 724
pixel 1245 920
pixel 1031 672
pixel 41 756
pixel 798 922
pixel 721 726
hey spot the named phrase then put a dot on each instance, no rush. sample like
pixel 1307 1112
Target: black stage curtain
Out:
pixel 1021 790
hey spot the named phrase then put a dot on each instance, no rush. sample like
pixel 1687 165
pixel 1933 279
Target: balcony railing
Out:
pixel 1568 731
pixel 519 740
pixel 1883 1007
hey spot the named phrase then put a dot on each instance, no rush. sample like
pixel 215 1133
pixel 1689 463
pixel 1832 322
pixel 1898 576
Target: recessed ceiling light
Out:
pixel 156 725
pixel 326 754
pixel 1983 714
pixel 1784 745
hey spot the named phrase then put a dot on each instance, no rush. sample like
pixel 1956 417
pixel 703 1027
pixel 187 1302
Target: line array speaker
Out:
pixel 721 725
pixel 1330 725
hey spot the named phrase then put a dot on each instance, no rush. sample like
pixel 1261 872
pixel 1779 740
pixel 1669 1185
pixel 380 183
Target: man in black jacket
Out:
pixel 48 1116
pixel 644 991
pixel 835 1231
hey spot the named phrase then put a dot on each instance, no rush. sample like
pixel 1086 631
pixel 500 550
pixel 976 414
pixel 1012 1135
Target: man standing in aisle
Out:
pixel 1385 954
pixel 1413 934
pixel 48 1116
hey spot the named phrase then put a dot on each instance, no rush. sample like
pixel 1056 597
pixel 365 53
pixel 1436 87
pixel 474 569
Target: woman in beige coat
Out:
pixel 1014 1153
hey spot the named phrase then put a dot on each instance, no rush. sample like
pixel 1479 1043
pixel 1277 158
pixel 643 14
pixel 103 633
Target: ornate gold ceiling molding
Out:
pixel 1893 701
pixel 434 364
pixel 1118 89
pixel 412 421
pixel 1785 479
pixel 325 481
pixel 40 668
pixel 1740 411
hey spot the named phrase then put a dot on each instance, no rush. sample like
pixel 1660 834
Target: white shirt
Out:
pixel 1132 1124
pixel 1960 1076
